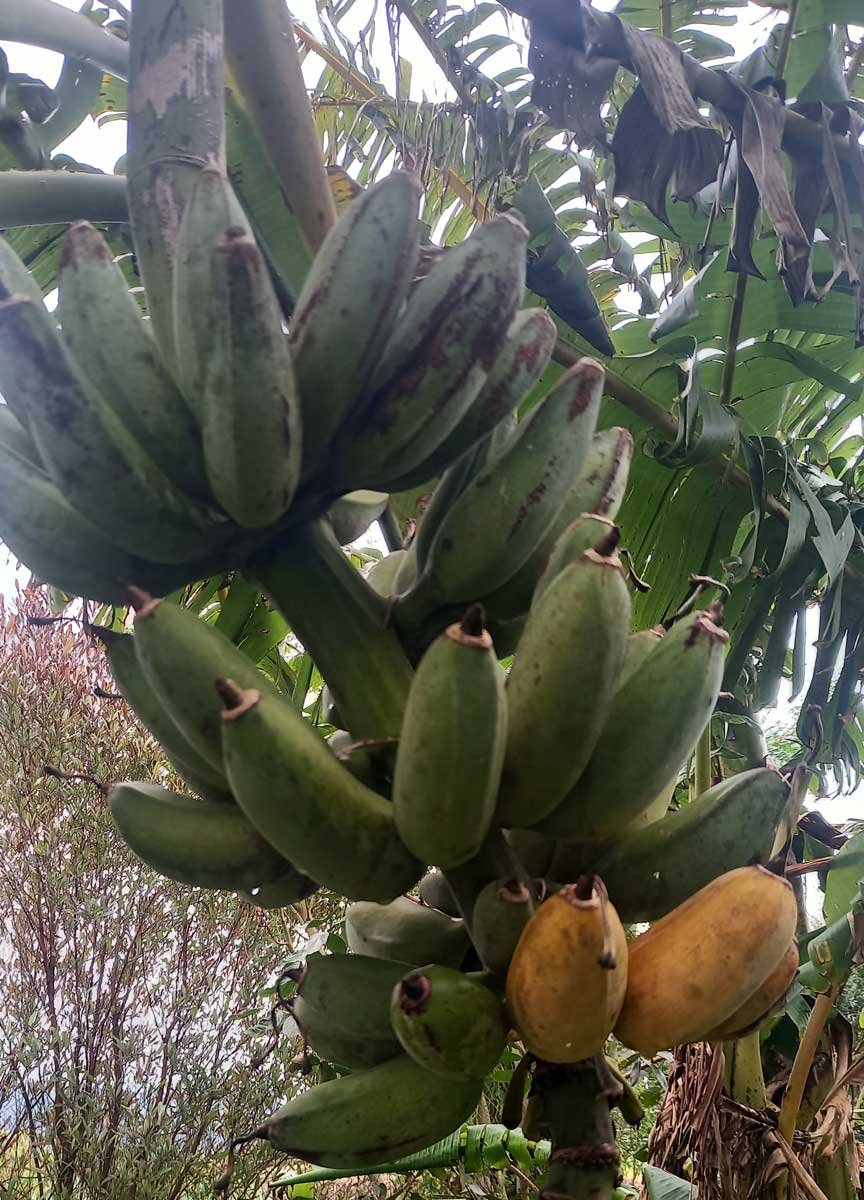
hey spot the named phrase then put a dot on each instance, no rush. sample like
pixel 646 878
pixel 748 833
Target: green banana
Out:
pixel 669 699
pixel 599 490
pixel 382 575
pixel 562 682
pixel 14 437
pixel 16 283
pixel 406 931
pixel 58 545
pixel 299 797
pixel 451 747
pixel 249 410
pixel 193 841
pixel 146 703
pixel 352 515
pixel 448 1022
pixel 437 359
pixel 287 889
pixel 501 911
pixel 342 623
pixel 584 533
pixel 434 890
pixel 104 328
pixel 349 302
pixel 199 288
pixel 517 367
pixel 181 657
pixel 342 1005
pixel 407 572
pixel 533 850
pixel 639 646
pixel 101 470
pixel 450 487
pixel 497 520
pixel 650 871
pixel 369 1117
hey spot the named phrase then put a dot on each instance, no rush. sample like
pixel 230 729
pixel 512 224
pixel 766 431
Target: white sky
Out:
pixel 102 147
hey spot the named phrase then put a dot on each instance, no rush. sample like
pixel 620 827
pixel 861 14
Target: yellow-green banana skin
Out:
pixel 304 802
pixel 668 701
pixel 372 1117
pixel 448 1022
pixel 342 1005
pixel 193 841
pixel 451 748
pixel 406 931
pixel 494 525
pixel 653 870
pixel 561 685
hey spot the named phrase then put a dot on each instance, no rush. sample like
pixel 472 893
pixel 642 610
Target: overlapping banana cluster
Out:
pixel 538 795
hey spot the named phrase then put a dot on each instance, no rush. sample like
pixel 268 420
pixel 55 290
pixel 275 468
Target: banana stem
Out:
pixel 743 1077
pixel 794 1094
pixel 575 1104
pixel 342 623
pixel 494 860
pixel 702 762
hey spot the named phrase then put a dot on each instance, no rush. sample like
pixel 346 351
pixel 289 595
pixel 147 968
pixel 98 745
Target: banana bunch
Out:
pixel 118 470
pixel 527 806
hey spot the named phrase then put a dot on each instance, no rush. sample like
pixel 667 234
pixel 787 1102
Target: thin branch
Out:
pixel 428 39
pixel 855 64
pixel 262 53
pixel 786 42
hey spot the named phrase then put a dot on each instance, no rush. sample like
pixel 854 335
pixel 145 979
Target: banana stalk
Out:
pixel 342 622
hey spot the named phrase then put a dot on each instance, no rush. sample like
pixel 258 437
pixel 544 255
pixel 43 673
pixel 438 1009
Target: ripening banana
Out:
pixel 695 967
pixel 93 459
pixel 669 700
pixel 496 521
pixel 195 842
pixel 448 1022
pixel 181 657
pixel 304 802
pixel 373 1116
pixel 103 326
pixel 448 764
pixel 146 703
pixel 212 209
pixel 598 490
pixel 350 300
pixel 342 1005
pixel 764 1001
pixel 650 871
pixel 406 931
pixel 436 361
pixel 501 911
pixel 518 365
pixel 286 890
pixel 249 410
pixel 568 975
pixel 434 890
pixel 562 682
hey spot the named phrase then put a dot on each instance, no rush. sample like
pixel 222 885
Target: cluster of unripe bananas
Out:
pixel 538 794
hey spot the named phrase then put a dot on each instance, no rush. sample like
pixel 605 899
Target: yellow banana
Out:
pixel 695 967
pixel 567 979
pixel 766 999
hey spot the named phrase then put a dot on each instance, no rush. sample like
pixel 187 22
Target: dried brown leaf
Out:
pixel 571 87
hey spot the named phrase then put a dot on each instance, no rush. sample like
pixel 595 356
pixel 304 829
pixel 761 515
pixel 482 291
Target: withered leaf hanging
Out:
pixel 760 147
pixel 571 87
pixel 647 156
